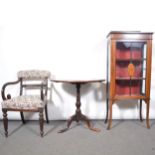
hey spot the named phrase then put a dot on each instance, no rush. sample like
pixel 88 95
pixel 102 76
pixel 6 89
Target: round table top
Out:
pixel 77 81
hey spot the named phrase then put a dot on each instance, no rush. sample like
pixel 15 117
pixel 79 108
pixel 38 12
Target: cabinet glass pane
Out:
pixel 130 68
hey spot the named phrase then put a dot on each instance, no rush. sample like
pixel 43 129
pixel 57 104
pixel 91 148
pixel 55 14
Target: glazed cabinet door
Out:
pixel 130 68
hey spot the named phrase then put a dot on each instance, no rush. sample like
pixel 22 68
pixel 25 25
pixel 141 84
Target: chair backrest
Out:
pixel 33 79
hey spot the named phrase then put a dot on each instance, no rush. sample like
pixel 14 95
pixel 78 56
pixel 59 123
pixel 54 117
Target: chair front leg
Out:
pixel 41 121
pixel 5 122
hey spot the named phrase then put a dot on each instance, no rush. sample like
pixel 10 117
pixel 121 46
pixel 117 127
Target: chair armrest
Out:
pixel 4 97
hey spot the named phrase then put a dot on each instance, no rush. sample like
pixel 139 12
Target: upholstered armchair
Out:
pixel 27 80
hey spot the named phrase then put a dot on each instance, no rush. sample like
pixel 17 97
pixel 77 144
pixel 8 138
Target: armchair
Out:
pixel 28 79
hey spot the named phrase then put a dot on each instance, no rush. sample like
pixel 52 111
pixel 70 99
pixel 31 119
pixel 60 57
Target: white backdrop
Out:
pixel 68 37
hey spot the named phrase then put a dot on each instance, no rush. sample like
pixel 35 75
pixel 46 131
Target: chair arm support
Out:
pixel 3 94
pixel 42 92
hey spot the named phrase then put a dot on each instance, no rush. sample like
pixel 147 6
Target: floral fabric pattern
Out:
pixel 24 102
pixel 34 74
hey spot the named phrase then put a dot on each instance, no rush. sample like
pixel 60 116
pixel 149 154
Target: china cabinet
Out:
pixel 129 69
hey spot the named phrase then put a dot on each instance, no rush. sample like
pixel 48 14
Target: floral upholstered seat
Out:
pixel 24 102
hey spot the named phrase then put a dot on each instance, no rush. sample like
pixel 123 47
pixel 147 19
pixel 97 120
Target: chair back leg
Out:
pixel 22 117
pixel 46 113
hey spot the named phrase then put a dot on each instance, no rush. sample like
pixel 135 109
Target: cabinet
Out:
pixel 129 69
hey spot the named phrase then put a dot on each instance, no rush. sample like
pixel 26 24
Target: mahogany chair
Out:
pixel 27 80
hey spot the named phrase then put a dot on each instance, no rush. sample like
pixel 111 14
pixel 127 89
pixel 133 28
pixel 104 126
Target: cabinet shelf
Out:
pixel 130 60
pixel 128 78
pixel 123 97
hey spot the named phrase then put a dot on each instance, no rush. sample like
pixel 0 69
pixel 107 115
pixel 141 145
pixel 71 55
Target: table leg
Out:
pixel 78 116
